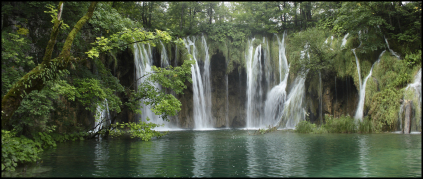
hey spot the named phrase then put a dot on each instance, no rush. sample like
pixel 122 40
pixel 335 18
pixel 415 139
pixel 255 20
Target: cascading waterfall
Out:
pixel 390 50
pixel 416 87
pixel 360 108
pixel 358 68
pixel 344 40
pixel 201 86
pixel 227 103
pixel 254 88
pixel 163 57
pixel 277 96
pixel 321 96
pixel 293 110
pixel 143 60
pixel 103 117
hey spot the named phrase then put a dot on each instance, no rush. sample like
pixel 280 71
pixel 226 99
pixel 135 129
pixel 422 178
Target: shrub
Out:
pixel 343 124
pixel 365 126
pixel 305 127
pixel 16 150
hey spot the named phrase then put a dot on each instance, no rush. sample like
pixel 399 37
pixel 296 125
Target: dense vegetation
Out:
pixel 59 59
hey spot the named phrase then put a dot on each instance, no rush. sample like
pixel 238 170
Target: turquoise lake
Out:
pixel 235 153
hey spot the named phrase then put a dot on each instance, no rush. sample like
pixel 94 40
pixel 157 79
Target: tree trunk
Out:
pixel 150 11
pixel 295 17
pixel 210 13
pixel 182 15
pixel 284 14
pixel 35 79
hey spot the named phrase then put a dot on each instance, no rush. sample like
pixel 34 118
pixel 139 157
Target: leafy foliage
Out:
pixel 16 150
pixel 142 130
pixel 384 108
pixel 342 124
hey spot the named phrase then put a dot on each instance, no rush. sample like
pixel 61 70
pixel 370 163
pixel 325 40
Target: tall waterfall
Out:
pixel 358 68
pixel 360 108
pixel 201 84
pixel 294 111
pixel 254 88
pixel 277 96
pixel 143 60
pixel 227 103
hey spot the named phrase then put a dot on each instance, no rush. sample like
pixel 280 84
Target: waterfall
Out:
pixel 143 61
pixel 358 68
pixel 227 103
pixel 277 96
pixel 293 110
pixel 416 87
pixel 360 108
pixel 344 40
pixel 321 96
pixel 164 60
pixel 390 50
pixel 206 81
pixel 254 88
pixel 103 117
pixel 201 86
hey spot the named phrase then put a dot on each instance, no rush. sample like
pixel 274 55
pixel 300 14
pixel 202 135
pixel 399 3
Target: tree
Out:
pixel 48 69
pixel 311 41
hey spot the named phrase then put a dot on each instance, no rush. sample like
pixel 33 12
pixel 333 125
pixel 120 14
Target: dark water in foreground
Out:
pixel 235 153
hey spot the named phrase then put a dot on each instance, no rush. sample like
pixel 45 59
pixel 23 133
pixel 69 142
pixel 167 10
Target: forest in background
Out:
pixel 60 59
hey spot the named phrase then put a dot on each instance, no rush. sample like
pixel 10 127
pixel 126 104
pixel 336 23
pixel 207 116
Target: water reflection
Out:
pixel 235 153
pixel 363 152
pixel 101 153
pixel 203 153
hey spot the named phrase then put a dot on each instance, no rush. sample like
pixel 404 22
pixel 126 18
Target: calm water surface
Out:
pixel 235 153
